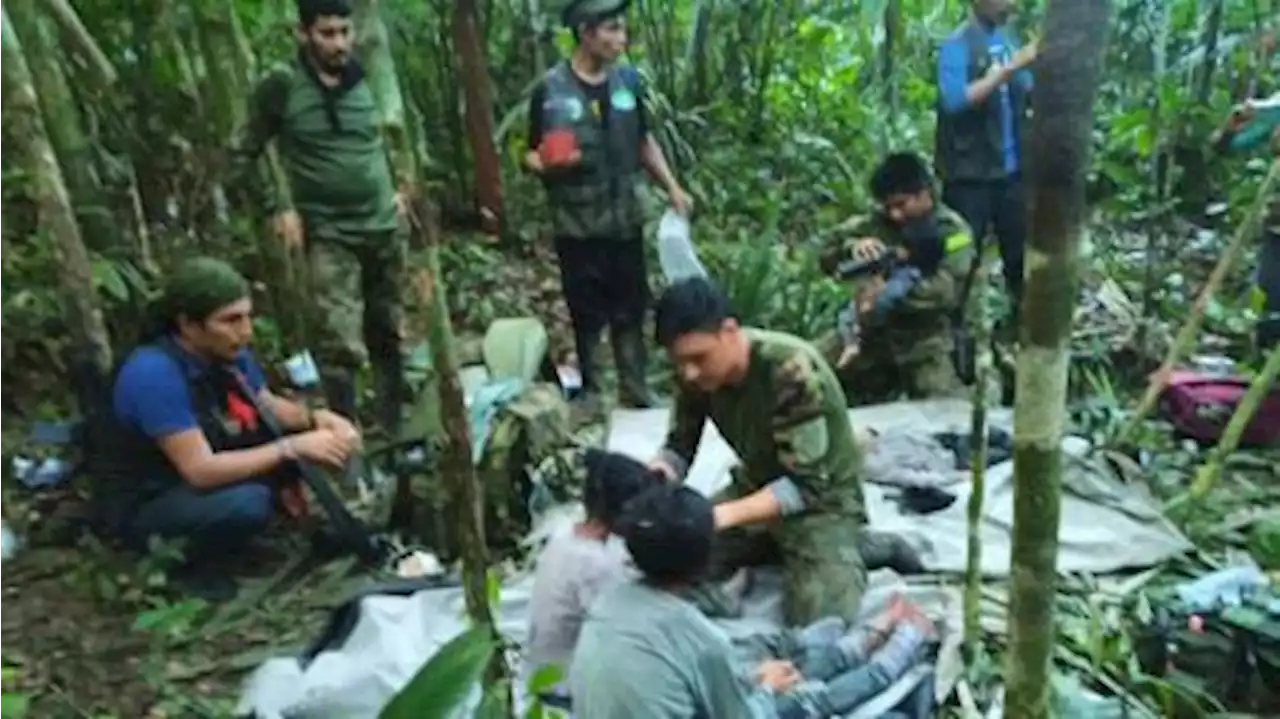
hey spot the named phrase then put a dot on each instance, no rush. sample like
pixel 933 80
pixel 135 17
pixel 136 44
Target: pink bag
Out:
pixel 1200 406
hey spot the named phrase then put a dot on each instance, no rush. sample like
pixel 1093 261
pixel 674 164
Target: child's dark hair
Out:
pixel 613 479
pixel 902 173
pixel 311 10
pixel 669 530
pixel 924 243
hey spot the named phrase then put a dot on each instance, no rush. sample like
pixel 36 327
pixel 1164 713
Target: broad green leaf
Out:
pixel 440 687
pixel 13 706
pixel 544 678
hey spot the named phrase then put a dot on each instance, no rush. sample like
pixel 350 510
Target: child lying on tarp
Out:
pixel 578 565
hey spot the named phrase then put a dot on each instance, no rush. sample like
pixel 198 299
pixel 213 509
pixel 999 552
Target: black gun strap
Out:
pixel 349 529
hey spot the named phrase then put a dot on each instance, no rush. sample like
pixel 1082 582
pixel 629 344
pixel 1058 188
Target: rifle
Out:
pixel 351 534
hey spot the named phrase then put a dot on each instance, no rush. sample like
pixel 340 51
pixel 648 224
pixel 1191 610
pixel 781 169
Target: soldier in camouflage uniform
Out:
pixel 324 119
pixel 595 190
pixel 907 342
pixel 798 494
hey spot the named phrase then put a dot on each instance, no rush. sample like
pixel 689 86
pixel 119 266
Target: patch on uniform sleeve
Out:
pixel 798 389
pixel 623 99
pixel 805 444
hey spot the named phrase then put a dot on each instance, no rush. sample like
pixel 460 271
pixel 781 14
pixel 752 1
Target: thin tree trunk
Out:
pixel 478 112
pixel 1069 69
pixel 65 126
pixel 979 322
pixel 36 155
pixel 462 485
pixel 81 42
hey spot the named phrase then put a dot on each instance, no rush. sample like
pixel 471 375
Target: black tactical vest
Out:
pixel 970 143
pixel 130 469
pixel 600 198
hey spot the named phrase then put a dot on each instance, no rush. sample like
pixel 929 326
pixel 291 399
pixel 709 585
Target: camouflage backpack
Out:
pixel 1231 653
pixel 532 456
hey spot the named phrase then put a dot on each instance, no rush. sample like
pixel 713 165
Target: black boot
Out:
pixel 392 393
pixel 631 357
pixel 586 344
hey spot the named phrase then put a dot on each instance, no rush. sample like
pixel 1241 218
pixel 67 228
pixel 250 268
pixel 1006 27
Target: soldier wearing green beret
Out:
pixel 589 140
pixel 186 454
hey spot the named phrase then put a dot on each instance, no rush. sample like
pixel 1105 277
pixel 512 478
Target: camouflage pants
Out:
pixel 877 375
pixel 356 281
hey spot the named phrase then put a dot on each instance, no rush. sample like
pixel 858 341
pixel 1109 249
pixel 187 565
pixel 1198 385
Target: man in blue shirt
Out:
pixel 983 87
pixel 188 456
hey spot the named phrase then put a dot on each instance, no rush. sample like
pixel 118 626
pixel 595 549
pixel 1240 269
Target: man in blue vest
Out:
pixel 589 140
pixel 983 88
pixel 187 455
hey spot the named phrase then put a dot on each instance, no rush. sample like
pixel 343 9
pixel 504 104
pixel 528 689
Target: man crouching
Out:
pixel 188 457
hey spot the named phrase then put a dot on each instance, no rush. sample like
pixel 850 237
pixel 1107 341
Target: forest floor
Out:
pixel 89 631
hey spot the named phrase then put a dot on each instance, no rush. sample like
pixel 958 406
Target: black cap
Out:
pixel 580 11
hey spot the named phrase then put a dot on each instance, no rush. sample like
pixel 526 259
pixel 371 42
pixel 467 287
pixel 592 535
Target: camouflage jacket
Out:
pixel 921 324
pixel 787 419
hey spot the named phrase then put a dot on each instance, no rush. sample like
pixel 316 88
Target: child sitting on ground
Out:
pixel 646 653
pixel 576 565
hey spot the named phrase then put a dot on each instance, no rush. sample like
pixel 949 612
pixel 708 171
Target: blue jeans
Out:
pixel 216 522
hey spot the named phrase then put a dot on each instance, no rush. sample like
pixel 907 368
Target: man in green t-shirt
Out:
pixel 797 496
pixel 344 205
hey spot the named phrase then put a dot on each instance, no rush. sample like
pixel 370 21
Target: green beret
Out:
pixel 580 11
pixel 201 286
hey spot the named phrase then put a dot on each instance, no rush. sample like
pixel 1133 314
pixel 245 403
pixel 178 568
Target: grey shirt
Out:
pixel 647 654
pixel 572 570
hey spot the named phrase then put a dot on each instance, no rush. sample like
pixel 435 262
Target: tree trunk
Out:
pixel 91 345
pixel 979 322
pixel 65 126
pixel 1069 69
pixel 465 496
pixel 478 110
pixel 81 42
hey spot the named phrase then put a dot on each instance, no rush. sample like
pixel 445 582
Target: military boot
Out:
pixel 631 357
pixel 587 399
pixel 392 393
pixel 885 549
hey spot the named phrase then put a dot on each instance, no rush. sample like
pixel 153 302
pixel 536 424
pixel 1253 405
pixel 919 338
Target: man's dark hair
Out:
pixel 690 305
pixel 901 173
pixel 669 530
pixel 613 479
pixel 309 11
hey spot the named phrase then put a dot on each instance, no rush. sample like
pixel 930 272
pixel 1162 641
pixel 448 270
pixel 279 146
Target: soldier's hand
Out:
pixel 867 249
pixel 847 356
pixel 681 202
pixel 778 675
pixel 533 161
pixel 288 227
pixel 338 424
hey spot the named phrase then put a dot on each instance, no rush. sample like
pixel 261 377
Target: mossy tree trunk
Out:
pixel 1068 72
pixel 461 483
pixel 91 346
pixel 63 122
pixel 979 322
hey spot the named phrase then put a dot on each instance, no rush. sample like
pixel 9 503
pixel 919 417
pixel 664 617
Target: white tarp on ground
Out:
pixel 1106 525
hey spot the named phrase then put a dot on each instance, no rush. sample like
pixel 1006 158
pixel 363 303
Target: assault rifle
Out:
pixel 350 533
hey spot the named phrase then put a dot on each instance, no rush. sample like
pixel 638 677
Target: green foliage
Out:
pixel 13 705
pixel 444 683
